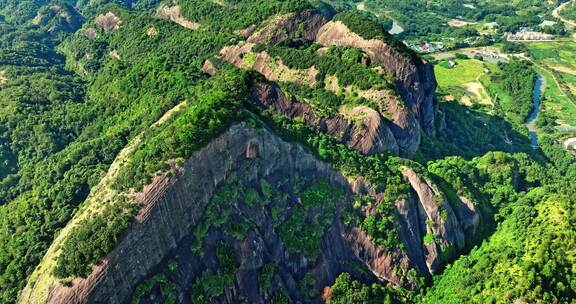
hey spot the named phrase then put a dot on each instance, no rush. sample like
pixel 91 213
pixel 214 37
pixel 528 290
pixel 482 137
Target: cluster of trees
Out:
pixel 530 197
pixel 381 170
pixel 239 14
pixel 211 284
pixel 347 290
pixel 378 224
pixel 513 47
pixel 167 290
pixel 214 106
pixel 22 11
pixel 517 80
pixel 469 133
pixel 524 260
pixel 304 228
pixel 91 240
pixel 61 131
pixel 368 28
pixel 346 63
pixel 569 11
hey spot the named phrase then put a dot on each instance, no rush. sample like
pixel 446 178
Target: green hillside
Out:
pixel 100 98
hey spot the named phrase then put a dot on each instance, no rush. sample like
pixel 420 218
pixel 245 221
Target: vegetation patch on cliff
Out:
pixel 308 220
pixel 368 28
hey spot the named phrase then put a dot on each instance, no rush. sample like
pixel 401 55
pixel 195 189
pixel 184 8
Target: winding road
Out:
pixel 556 14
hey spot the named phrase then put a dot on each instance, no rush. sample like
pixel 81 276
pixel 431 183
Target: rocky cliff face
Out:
pixel 297 26
pixel 241 56
pixel 362 128
pixel 441 228
pixel 400 134
pixel 414 79
pixel 174 206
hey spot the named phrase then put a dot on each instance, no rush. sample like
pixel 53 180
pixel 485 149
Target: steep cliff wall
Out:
pixel 443 227
pixel 414 79
pixel 302 25
pixel 173 205
pixel 361 128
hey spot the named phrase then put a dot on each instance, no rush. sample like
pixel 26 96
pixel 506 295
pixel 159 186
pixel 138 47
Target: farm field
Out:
pixel 556 61
pixel 560 55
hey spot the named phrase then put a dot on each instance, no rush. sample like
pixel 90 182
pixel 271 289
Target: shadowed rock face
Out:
pixel 173 205
pixel 436 218
pixel 362 128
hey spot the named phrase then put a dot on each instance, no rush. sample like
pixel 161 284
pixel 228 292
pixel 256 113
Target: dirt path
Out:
pixel 556 14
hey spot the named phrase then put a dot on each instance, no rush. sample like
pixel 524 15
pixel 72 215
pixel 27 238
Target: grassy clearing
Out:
pixel 464 81
pixel 464 72
pixel 554 54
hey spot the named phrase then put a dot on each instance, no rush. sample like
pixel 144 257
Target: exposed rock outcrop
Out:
pixel 173 14
pixel 376 134
pixel 302 25
pixel 409 231
pixel 414 79
pixel 403 124
pixel 108 22
pixel 370 133
pixel 173 205
pixel 241 56
pixel 468 216
pixel 58 18
pixel 361 128
pixel 436 219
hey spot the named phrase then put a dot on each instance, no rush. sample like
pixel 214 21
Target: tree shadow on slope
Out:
pixel 470 133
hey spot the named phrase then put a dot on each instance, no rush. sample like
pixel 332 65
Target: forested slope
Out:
pixel 305 159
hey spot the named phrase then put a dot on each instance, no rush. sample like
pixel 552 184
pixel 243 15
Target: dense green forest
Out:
pixel 73 94
pixel 84 124
pixel 427 21
pixel 569 12
pixel 517 82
